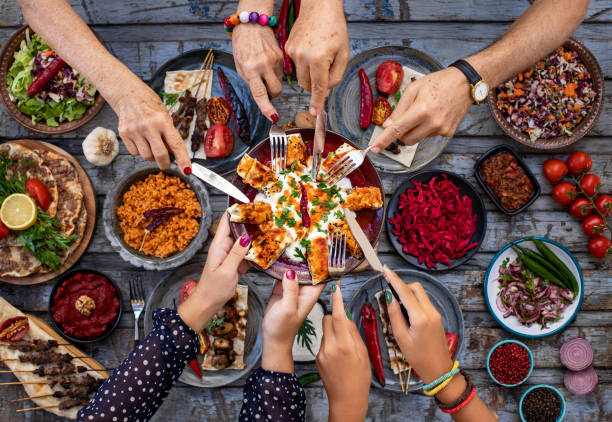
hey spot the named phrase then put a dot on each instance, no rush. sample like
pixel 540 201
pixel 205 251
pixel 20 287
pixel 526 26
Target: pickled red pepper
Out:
pixel 370 329
pixel 304 206
pixel 367 105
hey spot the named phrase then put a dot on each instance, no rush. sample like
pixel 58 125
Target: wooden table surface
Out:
pixel 146 34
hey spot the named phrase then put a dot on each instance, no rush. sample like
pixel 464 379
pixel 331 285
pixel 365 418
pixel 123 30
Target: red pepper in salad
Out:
pixel 365 112
pixel 14 329
pixel 45 76
pixel 370 329
pixel 4 231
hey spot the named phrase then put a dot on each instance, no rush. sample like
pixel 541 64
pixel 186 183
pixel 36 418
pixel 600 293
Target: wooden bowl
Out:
pixel 365 175
pixel 583 127
pixel 6 60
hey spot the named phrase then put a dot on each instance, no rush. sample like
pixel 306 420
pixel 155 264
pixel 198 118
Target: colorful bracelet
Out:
pixel 468 388
pixel 434 387
pixel 462 405
pixel 253 17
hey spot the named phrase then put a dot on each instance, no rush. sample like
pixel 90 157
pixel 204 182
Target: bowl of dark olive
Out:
pixel 543 403
pixel 507 179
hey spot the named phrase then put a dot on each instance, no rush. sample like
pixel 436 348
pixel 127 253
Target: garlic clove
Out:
pixel 101 146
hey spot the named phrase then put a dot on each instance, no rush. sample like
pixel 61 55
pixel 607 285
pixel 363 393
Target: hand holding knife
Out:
pixel 318 143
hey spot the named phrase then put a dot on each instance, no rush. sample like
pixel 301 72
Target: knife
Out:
pixel 318 143
pixel 218 182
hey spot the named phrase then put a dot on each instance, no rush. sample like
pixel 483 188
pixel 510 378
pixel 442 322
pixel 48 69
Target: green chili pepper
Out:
pixel 554 259
pixel 309 378
pixel 538 270
pixel 290 17
pixel 546 264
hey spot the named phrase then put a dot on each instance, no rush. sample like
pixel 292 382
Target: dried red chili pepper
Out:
pixel 380 111
pixel 196 367
pixel 241 118
pixel 14 329
pixel 283 35
pixel 365 111
pixel 160 219
pixel 304 206
pixel 45 76
pixel 370 329
pixel 156 212
pixel 218 111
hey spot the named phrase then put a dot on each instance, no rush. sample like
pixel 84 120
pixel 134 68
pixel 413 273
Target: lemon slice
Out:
pixel 18 212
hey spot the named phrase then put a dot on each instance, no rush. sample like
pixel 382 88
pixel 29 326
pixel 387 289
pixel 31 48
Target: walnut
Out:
pixel 85 305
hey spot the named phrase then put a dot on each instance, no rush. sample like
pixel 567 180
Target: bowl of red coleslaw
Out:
pixel 555 102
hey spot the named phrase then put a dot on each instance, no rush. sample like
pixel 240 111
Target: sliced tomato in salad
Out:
pixel 219 141
pixel 38 190
pixel 4 231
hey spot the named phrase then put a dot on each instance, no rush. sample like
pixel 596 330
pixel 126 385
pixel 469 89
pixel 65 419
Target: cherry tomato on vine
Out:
pixel 599 246
pixel 579 162
pixel 580 208
pixel 593 225
pixel 590 183
pixel 564 193
pixel 554 169
pixel 604 204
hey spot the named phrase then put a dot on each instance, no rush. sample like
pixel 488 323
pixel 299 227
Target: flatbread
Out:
pixel 80 226
pixel 397 360
pixel 70 191
pixel 406 154
pixel 242 308
pixel 364 198
pixel 268 246
pixel 17 261
pixel 257 212
pixel 177 81
pixel 35 332
pixel 317 259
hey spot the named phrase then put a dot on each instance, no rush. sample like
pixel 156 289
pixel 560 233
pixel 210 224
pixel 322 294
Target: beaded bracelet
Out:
pixel 462 397
pixel 253 17
pixel 433 387
pixel 462 405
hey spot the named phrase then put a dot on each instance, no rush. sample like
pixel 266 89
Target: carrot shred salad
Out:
pixel 434 222
pixel 157 192
pixel 550 99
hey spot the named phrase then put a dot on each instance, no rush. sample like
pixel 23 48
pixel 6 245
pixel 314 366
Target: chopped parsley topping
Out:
pixel 330 205
pixel 319 228
pixel 295 194
pixel 294 184
pixel 339 214
pixel 325 217
pixel 291 222
pixel 315 201
pixel 305 178
pixel 321 185
pixel 280 221
pixel 282 199
pixel 306 244
pixel 279 183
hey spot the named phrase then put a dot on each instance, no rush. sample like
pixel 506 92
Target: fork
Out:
pixel 278 148
pixel 345 165
pixel 336 262
pixel 137 301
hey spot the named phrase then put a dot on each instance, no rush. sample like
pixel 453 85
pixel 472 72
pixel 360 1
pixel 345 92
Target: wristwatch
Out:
pixel 480 89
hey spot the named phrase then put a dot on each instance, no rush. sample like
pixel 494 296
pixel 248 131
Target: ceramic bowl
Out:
pixel 560 418
pixel 531 363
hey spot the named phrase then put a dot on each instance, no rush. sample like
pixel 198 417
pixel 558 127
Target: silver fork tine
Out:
pixel 338 170
pixel 336 178
pixel 142 293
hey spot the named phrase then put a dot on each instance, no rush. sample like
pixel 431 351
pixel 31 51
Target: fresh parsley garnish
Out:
pixel 325 217
pixel 215 322
pixel 306 244
pixel 295 194
pixel 330 205
pixel 397 96
pixel 294 184
pixel 279 183
pixel 280 221
pixel 319 228
pixel 305 178
pixel 315 201
pixel 291 222
pixel 170 99
pixel 282 199
pixel 322 185
pixel 299 254
pixel 339 214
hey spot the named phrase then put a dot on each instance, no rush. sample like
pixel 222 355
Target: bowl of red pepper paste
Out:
pixel 85 306
pixel 509 363
pixel 436 220
pixel 507 179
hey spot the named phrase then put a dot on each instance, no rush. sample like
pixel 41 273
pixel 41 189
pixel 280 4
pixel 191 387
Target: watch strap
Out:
pixel 468 71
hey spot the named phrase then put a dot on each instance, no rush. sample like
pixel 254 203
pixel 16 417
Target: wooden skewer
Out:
pixel 201 67
pixel 30 398
pixel 210 57
pixel 38 408
pixel 408 382
pixel 14 359
pixel 30 370
pixel 22 382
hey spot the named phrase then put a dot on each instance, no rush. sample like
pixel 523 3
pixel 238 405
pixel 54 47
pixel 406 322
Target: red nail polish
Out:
pixel 245 240
pixel 187 171
pixel 290 274
pixel 274 118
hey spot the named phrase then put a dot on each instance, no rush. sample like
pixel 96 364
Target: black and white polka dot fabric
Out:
pixel 273 396
pixel 136 389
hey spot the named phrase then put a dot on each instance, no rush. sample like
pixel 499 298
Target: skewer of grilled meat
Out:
pixel 44 358
pixel 36 345
pixel 200 126
pixel 73 392
pixel 62 369
pixel 182 117
pixel 63 405
pixel 64 382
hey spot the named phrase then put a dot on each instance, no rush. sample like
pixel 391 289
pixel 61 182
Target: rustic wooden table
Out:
pixel 146 34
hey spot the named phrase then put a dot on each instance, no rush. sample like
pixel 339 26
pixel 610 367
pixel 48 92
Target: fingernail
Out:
pixel 290 274
pixel 312 111
pixel 334 287
pixel 349 315
pixel 274 118
pixel 388 296
pixel 375 150
pixel 245 240
pixel 187 171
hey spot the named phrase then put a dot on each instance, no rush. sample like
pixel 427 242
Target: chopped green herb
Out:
pixel 215 322
pixel 339 214
pixel 305 178
pixel 325 217
pixel 280 221
pixel 397 96
pixel 330 205
pixel 295 194
pixel 282 199
pixel 294 184
pixel 291 222
pixel 304 334
pixel 299 254
pixel 321 185
pixel 279 183
pixel 170 99
pixel 315 201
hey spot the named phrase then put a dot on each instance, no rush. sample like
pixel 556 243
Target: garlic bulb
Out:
pixel 100 146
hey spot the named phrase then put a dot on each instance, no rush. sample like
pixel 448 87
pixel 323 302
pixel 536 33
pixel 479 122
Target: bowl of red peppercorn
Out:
pixel 509 363
pixel 542 403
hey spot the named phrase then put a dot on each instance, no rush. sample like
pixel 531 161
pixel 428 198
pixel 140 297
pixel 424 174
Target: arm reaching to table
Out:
pixel 437 103
pixel 136 389
pixel 144 124
pixel 273 391
pixel 423 343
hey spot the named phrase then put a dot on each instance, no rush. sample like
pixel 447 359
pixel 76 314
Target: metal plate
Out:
pixel 166 295
pixel 260 125
pixel 441 298
pixel 345 99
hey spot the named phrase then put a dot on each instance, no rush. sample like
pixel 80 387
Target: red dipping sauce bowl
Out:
pixel 85 306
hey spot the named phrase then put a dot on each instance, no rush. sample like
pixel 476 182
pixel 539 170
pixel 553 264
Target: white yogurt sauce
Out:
pixel 300 353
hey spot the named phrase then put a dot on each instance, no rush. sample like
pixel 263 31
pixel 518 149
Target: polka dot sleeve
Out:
pixel 138 386
pixel 273 396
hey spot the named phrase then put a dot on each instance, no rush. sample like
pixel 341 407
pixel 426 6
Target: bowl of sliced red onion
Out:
pixel 526 303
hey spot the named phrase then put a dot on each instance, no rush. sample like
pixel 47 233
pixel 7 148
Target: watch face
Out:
pixel 480 91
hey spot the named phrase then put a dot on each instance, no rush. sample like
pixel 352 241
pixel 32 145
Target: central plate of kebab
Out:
pixel 211 106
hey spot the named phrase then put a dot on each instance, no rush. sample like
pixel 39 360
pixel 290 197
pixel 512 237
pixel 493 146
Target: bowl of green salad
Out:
pixel 42 92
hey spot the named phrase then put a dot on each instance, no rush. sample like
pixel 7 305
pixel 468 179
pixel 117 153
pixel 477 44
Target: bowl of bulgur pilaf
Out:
pixel 157 219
